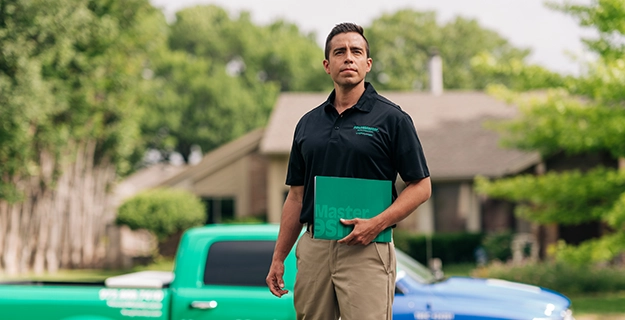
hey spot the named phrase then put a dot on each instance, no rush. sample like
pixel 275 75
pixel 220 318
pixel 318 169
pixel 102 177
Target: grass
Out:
pixel 91 275
pixel 605 303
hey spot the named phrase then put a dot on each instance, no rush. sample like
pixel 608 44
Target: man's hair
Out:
pixel 345 28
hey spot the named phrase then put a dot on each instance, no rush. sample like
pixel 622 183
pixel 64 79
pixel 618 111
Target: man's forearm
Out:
pixel 290 227
pixel 415 194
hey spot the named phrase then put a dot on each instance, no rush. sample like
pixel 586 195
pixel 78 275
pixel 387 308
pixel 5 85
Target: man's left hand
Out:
pixel 365 230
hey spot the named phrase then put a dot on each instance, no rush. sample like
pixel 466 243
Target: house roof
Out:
pixel 450 127
pixel 219 158
pixel 144 179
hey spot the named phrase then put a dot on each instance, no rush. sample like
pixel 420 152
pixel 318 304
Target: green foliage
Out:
pixel 561 277
pixel 221 77
pixel 576 115
pixel 401 44
pixel 450 248
pixel 558 121
pixel 277 53
pixel 498 245
pixel 514 73
pixel 570 197
pixel 70 72
pixel 606 248
pixel 164 212
pixel 607 17
pixel 193 104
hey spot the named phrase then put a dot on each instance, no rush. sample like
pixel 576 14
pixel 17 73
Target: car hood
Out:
pixel 501 292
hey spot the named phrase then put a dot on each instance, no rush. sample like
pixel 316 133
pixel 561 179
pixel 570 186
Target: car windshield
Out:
pixel 413 268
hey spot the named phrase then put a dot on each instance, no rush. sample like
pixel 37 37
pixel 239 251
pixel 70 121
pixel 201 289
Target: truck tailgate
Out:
pixel 65 302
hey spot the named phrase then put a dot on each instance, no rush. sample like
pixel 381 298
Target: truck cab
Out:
pixel 220 274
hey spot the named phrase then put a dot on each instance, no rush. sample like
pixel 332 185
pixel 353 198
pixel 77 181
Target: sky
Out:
pixel 553 37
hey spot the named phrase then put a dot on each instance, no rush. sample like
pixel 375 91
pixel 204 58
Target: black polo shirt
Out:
pixel 373 139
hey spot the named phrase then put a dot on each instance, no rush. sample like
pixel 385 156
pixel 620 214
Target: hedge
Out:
pixel 164 212
pixel 449 247
pixel 565 278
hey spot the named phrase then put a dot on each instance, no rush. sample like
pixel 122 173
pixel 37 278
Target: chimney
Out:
pixel 435 68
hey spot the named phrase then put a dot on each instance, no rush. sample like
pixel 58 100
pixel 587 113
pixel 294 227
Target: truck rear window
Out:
pixel 238 263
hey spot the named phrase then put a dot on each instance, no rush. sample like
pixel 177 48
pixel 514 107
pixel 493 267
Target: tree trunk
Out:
pixel 4 218
pixel 61 223
pixel 12 244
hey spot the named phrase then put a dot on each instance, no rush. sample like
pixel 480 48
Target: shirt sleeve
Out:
pixel 297 168
pixel 409 158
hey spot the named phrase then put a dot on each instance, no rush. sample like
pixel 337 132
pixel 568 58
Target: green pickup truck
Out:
pixel 219 273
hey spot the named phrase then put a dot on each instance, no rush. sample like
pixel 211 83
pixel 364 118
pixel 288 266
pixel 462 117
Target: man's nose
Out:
pixel 349 57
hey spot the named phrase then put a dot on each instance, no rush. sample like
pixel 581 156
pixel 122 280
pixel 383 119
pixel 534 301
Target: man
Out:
pixel 351 278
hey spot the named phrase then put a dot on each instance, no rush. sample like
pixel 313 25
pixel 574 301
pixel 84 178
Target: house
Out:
pixel 230 180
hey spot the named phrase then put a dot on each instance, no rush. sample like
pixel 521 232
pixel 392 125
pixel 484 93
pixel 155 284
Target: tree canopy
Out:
pixel 222 75
pixel 401 44
pixel 71 71
pixel 576 115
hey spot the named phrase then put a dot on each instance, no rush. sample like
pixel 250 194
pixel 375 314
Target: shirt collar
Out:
pixel 364 104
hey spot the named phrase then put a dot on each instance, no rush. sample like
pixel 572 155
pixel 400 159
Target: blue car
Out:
pixel 420 296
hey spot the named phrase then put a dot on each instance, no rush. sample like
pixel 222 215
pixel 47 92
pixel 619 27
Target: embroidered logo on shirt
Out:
pixel 365 131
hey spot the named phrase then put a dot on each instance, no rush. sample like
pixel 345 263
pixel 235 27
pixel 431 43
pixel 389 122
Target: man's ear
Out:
pixel 326 66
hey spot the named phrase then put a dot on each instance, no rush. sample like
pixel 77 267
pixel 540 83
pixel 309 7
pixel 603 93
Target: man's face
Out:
pixel 347 62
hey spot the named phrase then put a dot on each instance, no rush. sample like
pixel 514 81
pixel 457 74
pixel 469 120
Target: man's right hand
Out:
pixel 275 280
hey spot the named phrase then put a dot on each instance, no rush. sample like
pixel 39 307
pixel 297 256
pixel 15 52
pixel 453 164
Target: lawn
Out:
pixel 605 303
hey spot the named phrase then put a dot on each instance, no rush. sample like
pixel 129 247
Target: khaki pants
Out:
pixel 353 282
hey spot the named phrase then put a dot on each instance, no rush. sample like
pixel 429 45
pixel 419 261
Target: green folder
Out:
pixel 348 198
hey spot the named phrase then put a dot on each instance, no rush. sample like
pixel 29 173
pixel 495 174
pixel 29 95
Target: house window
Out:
pixel 219 209
pixel 447 217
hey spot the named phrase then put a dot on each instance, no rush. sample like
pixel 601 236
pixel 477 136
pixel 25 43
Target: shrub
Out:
pixel 565 278
pixel 449 247
pixel 498 245
pixel 162 211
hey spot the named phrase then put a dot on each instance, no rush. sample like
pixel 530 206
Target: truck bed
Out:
pixel 60 300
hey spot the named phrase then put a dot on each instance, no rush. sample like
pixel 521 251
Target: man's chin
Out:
pixel 349 82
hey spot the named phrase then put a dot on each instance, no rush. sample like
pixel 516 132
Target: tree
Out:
pixel 194 105
pixel 70 72
pixel 222 76
pixel 584 115
pixel 401 44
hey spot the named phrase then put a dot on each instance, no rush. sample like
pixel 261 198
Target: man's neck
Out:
pixel 346 97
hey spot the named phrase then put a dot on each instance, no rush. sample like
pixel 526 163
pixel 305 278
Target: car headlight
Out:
pixel 567 315
pixel 564 315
